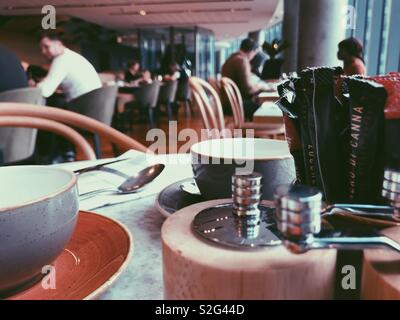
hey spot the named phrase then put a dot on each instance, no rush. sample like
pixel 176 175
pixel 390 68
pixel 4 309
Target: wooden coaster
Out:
pixel 197 269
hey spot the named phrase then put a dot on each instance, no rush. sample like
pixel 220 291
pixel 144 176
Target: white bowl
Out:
pixel 215 161
pixel 38 211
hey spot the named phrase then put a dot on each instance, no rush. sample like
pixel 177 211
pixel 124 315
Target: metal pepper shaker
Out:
pixel 298 218
pixel 244 223
pixel 298 214
pixel 391 190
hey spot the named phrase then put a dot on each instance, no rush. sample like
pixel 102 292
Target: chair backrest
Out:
pixel 73 119
pixel 167 92
pixel 53 126
pixel 215 84
pixel 147 95
pixel 23 95
pixel 19 143
pixel 235 99
pixel 98 104
pixel 183 93
pixel 209 103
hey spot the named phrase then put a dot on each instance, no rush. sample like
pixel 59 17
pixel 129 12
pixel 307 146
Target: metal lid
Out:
pixel 392 175
pixel 249 180
pixel 219 225
pixel 298 211
pixel 390 195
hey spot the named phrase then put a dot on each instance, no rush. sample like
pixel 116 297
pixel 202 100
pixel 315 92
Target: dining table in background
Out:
pixel 268 96
pixel 269 113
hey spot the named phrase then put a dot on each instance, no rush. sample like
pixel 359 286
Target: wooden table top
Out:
pixel 381 271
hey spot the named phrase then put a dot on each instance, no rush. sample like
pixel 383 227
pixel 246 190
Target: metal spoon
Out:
pixel 131 184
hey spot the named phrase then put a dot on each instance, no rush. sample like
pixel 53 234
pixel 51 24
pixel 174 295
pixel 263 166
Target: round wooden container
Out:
pixel 197 269
pixel 381 271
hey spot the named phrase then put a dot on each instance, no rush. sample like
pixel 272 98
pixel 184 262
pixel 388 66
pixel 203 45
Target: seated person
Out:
pixel 74 76
pixel 12 74
pixel 68 70
pixel 173 73
pixel 238 68
pixel 134 76
pixel 351 53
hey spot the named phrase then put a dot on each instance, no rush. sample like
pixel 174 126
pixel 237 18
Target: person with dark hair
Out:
pixel 134 75
pixel 351 53
pixel 75 76
pixel 238 68
pixel 69 70
pixel 173 72
pixel 12 74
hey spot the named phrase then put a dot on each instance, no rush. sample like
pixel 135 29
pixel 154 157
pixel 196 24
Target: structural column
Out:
pixel 291 34
pixel 322 25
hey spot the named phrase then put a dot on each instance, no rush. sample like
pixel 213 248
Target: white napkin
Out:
pixel 177 167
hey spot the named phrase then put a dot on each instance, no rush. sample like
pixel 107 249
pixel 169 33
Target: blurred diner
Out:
pixel 238 68
pixel 134 76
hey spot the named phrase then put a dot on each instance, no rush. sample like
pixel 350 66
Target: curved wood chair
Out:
pixel 73 119
pixel 236 101
pixel 49 125
pixel 216 85
pixel 209 103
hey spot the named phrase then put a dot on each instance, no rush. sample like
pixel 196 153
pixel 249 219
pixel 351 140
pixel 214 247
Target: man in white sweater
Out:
pixel 74 76
pixel 69 71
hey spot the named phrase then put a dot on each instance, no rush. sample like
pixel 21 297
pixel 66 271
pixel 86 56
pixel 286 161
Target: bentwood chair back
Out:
pixel 19 143
pixel 235 99
pixel 72 119
pixel 234 96
pixel 209 103
pixel 53 126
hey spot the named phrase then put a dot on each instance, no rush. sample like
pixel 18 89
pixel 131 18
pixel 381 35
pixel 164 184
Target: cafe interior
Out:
pixel 199 150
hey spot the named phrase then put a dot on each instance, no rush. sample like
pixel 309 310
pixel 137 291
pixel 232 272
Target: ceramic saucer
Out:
pixel 174 198
pixel 97 253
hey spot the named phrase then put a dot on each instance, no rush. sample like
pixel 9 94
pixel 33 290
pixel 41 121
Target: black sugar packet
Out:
pixel 367 135
pixel 323 131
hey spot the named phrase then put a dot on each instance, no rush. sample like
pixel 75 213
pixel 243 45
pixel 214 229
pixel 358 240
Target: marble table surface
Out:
pixel 142 279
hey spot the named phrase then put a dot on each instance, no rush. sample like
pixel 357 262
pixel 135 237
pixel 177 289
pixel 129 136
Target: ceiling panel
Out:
pixel 227 18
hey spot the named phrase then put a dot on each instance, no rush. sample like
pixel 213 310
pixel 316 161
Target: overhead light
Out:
pixel 142 12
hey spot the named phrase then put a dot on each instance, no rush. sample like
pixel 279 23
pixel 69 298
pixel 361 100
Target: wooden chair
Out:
pixel 209 104
pixel 216 85
pixel 235 99
pixel 72 119
pixel 53 126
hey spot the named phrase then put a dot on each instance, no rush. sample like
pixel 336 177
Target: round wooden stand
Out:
pixel 197 269
pixel 381 271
